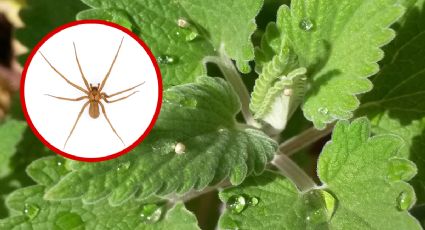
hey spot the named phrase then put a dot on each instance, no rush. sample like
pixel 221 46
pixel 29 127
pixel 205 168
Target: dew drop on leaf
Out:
pixel 306 25
pixel 123 166
pixel 59 163
pixel 330 203
pixel 166 59
pixel 401 169
pixel 405 200
pixel 192 35
pixel 243 66
pixel 179 148
pixel 31 210
pixel 237 203
pixel 189 30
pixel 323 110
pixel 189 102
pixel 68 220
pixel 316 214
pixel 253 201
pixel 150 213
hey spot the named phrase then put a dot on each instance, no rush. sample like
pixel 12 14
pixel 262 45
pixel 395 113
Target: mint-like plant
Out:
pixel 253 90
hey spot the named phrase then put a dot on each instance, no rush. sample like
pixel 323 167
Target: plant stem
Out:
pixel 293 172
pixel 303 140
pixel 233 77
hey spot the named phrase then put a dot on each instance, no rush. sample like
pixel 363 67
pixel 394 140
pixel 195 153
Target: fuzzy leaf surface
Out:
pixel 227 29
pixel 395 105
pixel 76 215
pixel 156 22
pixel 339 42
pixel 357 174
pixel 199 117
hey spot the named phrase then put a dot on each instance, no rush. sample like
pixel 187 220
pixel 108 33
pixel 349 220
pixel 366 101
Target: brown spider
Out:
pixel 94 94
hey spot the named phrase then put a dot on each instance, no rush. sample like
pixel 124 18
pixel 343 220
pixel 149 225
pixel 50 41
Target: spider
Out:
pixel 93 94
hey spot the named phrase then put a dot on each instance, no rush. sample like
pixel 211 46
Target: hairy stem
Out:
pixel 293 172
pixel 233 77
pixel 303 140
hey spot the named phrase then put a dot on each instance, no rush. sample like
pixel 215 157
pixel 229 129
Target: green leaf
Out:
pixel 195 142
pixel 281 86
pixel 42 16
pixel 182 33
pixel 395 105
pixel 10 134
pixel 47 170
pixel 359 189
pixel 227 29
pixel 27 149
pixel 31 211
pixel 338 41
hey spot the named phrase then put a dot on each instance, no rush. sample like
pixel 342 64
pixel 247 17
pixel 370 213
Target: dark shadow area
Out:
pixel 402 73
pixel 417 155
pixel 207 210
pixel 419 213
pixel 6 53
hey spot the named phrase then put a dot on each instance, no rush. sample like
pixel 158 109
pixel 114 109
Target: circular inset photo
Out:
pixel 91 90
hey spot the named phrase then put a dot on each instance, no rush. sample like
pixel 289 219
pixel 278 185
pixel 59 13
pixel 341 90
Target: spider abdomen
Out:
pixel 94 109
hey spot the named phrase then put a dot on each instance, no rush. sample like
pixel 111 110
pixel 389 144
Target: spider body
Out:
pixel 94 98
pixel 93 94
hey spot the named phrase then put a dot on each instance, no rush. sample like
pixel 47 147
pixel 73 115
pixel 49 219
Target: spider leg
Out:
pixel 120 92
pixel 110 124
pixel 60 74
pixel 81 70
pixel 110 68
pixel 75 124
pixel 105 97
pixel 68 99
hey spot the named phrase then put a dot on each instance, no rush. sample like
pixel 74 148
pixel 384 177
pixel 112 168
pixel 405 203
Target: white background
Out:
pixel 96 46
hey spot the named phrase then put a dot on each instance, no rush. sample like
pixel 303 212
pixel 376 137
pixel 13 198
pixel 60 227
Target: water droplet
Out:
pixel 401 169
pixel 330 203
pixel 31 210
pixel 317 213
pixel 166 59
pixel 243 66
pixel 68 220
pixel 288 92
pixel 237 203
pixel 123 166
pixel 59 163
pixel 188 29
pixel 150 213
pixel 306 25
pixel 253 201
pixel 192 35
pixel 405 200
pixel 189 102
pixel 323 110
pixel 221 130
pixel 179 148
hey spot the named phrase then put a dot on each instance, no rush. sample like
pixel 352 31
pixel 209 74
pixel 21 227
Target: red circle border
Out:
pixel 22 90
